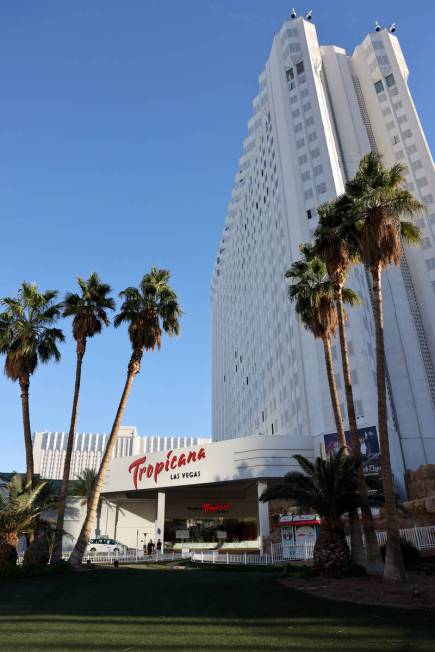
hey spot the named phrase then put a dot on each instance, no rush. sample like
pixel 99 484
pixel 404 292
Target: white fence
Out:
pixel 132 557
pixel 423 538
pixel 215 557
pixel 287 552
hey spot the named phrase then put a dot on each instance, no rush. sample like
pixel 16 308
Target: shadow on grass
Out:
pixel 137 609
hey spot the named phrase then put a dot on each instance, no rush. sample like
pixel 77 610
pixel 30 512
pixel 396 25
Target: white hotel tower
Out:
pixel 318 111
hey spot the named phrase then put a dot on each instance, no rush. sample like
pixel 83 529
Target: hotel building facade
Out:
pixel 317 113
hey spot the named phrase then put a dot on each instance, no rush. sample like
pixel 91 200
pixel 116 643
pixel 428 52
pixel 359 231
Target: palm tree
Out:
pixel 328 488
pixel 313 293
pixel 84 485
pixel 20 508
pixel 336 244
pixel 89 312
pixel 381 202
pixel 27 337
pixel 148 310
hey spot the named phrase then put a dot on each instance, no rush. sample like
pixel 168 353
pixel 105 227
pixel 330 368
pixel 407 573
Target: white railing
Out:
pixel 287 552
pixel 245 558
pixel 132 557
pixel 423 538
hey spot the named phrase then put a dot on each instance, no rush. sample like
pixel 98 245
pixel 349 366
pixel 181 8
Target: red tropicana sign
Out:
pixel 173 462
pixel 209 508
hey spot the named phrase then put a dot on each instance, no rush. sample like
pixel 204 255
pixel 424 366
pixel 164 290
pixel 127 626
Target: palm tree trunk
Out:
pixel 57 547
pixel 394 567
pixel 357 547
pixel 24 386
pixel 371 557
pixel 331 552
pixel 80 546
pixel 333 392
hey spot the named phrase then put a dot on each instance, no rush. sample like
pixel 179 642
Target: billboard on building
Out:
pixel 369 444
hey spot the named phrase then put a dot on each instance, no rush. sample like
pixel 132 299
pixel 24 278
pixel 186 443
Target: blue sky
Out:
pixel 121 123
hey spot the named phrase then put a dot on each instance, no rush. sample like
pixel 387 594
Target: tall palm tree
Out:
pixel 20 508
pixel 313 293
pixel 89 312
pixel 328 488
pixel 148 310
pixel 381 203
pixel 27 337
pixel 336 244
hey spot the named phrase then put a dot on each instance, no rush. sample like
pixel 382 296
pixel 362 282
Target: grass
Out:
pixel 137 608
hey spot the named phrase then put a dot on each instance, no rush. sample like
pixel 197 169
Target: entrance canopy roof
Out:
pixel 247 458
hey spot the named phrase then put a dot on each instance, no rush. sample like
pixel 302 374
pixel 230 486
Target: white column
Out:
pixel 160 521
pixel 263 514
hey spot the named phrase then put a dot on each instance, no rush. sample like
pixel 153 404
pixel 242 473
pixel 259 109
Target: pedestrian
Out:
pixel 159 548
pixel 150 547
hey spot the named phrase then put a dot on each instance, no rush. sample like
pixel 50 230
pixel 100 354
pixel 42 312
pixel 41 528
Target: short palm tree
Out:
pixel 20 508
pixel 89 312
pixel 148 310
pixel 336 243
pixel 381 204
pixel 84 485
pixel 27 337
pixel 327 488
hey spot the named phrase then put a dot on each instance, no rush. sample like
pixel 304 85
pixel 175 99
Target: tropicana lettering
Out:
pixel 139 467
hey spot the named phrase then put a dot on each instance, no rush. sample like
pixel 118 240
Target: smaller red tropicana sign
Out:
pixel 209 508
pixel 173 462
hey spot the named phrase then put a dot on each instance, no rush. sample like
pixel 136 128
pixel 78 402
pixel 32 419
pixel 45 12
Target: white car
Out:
pixel 104 544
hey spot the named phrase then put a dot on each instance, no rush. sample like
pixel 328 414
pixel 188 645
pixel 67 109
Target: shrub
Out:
pixel 17 572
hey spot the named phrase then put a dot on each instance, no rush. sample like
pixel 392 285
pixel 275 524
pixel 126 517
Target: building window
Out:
pixel 321 188
pixel 300 67
pixel 379 87
pixel 290 74
pixel 390 80
pixel 247 380
pixel 272 428
pixel 308 194
pixel 309 214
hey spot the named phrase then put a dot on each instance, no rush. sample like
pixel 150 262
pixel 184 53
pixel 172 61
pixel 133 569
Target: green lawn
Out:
pixel 135 608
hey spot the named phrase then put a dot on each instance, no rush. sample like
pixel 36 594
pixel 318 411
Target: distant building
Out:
pixel 49 449
pixel 318 111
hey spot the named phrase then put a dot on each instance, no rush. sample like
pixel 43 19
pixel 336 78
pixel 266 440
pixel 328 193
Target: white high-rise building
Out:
pixel 49 449
pixel 318 111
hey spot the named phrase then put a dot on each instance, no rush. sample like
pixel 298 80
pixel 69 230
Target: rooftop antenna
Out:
pixel 293 13
pixel 309 15
pixel 393 28
pixel 377 26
